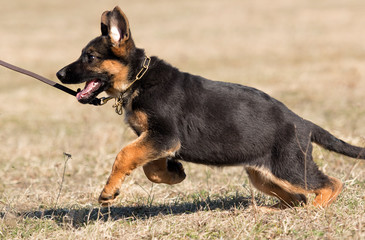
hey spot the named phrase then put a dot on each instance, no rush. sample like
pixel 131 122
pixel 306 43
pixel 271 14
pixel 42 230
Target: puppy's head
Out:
pixel 104 63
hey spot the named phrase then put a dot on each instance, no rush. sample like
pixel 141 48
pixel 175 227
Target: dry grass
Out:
pixel 309 54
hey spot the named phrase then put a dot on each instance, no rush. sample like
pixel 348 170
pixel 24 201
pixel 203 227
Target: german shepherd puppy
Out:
pixel 180 116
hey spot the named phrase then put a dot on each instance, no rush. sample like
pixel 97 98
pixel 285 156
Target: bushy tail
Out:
pixel 330 142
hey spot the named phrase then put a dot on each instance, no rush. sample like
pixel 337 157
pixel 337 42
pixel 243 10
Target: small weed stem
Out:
pixel 67 157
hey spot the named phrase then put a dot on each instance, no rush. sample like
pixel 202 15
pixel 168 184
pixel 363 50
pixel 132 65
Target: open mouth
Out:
pixel 91 90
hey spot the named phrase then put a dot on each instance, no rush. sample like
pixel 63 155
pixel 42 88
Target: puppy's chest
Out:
pixel 137 120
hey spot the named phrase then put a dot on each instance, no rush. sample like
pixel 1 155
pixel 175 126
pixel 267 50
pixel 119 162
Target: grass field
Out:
pixel 309 54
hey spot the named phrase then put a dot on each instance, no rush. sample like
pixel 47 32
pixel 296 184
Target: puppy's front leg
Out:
pixel 135 154
pixel 164 171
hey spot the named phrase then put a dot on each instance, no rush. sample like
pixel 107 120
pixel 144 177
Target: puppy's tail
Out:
pixel 330 142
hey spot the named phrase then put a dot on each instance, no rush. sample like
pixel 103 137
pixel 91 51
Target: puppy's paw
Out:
pixel 177 168
pixel 106 199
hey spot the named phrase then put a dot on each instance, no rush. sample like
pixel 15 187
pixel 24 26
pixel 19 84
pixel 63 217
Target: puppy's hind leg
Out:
pixel 327 194
pixel 263 181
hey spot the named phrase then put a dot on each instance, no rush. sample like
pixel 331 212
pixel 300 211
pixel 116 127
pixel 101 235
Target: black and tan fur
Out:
pixel 180 116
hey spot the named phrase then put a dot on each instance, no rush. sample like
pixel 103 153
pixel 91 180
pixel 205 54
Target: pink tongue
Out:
pixel 90 87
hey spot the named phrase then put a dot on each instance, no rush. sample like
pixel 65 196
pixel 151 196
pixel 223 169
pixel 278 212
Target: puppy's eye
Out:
pixel 90 58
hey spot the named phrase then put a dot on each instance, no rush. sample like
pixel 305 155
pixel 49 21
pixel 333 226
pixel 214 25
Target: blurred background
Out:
pixel 309 54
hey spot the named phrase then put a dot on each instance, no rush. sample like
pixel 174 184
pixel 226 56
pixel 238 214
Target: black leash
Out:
pixel 96 101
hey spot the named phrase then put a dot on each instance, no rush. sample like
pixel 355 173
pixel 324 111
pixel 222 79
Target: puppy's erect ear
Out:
pixel 105 23
pixel 115 25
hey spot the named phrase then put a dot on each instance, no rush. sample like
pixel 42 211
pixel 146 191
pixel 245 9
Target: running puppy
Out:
pixel 180 116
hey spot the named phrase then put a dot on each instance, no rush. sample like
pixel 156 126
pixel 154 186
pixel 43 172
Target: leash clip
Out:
pixel 104 100
pixel 118 105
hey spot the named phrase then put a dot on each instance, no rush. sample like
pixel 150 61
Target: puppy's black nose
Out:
pixel 61 74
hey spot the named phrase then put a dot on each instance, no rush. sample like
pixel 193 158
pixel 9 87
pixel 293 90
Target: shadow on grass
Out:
pixel 84 216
